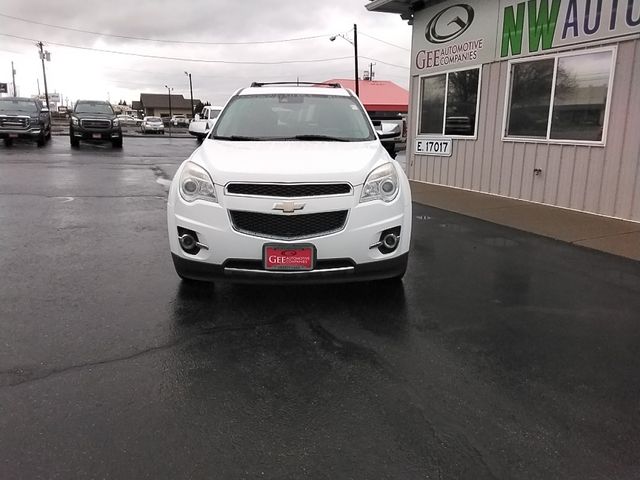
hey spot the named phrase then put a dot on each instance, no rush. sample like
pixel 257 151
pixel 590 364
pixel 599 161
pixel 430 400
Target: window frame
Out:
pixel 556 56
pixel 446 92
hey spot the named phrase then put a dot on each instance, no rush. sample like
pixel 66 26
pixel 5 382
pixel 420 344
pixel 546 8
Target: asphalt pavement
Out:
pixel 503 355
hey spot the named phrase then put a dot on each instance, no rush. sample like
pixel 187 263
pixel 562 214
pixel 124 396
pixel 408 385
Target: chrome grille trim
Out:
pixel 288 190
pixel 98 123
pixel 15 121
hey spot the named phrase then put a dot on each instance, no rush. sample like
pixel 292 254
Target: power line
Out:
pixel 197 60
pixel 384 41
pixel 160 40
pixel 385 63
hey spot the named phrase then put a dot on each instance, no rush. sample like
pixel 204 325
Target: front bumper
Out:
pixel 20 134
pixel 346 255
pixel 342 271
pixel 95 134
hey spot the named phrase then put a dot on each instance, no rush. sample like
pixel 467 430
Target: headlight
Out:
pixel 196 184
pixel 116 122
pixel 74 121
pixel 381 184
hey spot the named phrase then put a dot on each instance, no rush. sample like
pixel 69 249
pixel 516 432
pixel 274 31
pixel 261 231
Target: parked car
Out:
pixel 179 121
pixel 202 123
pixel 129 121
pixel 94 121
pixel 291 185
pixel 152 125
pixel 24 118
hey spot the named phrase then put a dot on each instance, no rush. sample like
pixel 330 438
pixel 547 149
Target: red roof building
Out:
pixel 378 95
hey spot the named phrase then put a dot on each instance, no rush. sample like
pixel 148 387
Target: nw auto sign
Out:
pixel 454 34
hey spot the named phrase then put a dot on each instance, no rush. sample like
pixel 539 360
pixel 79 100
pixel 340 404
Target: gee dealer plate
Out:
pixel 289 257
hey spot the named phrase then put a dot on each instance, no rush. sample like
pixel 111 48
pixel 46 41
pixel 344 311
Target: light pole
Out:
pixel 170 111
pixel 355 53
pixel 44 56
pixel 190 91
pixel 13 73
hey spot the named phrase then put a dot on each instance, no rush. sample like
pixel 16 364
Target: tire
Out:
pixel 49 133
pixel 117 143
pixel 42 140
pixel 8 142
pixel 75 143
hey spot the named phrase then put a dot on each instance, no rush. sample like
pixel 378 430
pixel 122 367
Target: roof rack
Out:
pixel 262 84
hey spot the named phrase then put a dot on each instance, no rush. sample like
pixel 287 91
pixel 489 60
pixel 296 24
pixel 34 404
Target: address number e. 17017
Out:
pixel 434 146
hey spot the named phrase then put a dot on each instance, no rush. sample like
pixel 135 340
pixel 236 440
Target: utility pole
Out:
pixel 13 73
pixel 44 56
pixel 170 111
pixel 190 91
pixel 355 54
pixel 371 71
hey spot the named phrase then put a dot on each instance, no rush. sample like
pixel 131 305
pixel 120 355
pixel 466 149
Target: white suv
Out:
pixel 291 185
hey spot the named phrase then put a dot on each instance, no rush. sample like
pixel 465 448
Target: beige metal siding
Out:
pixel 603 180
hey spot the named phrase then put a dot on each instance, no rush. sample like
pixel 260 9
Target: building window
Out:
pixel 449 103
pixel 562 98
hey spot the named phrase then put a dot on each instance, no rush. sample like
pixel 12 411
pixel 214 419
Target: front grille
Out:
pixel 288 227
pixel 94 123
pixel 288 190
pixel 14 122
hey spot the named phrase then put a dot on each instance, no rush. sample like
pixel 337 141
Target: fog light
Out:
pixel 189 241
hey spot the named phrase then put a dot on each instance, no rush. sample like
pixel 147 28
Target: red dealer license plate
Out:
pixel 289 257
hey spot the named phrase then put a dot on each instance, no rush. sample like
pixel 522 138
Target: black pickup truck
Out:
pixel 24 118
pixel 94 121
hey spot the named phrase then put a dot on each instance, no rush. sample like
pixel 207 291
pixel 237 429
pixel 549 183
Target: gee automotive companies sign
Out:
pixel 454 34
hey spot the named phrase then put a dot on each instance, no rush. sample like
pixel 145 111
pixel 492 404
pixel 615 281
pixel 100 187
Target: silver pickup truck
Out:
pixel 24 118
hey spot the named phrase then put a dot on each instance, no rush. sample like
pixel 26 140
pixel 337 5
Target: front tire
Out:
pixel 42 140
pixel 117 143
pixel 8 142
pixel 75 143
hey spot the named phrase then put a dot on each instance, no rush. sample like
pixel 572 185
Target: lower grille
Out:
pixel 288 190
pixel 14 122
pixel 90 123
pixel 288 227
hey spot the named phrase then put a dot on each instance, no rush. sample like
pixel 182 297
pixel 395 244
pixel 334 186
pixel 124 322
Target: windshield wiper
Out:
pixel 326 138
pixel 237 138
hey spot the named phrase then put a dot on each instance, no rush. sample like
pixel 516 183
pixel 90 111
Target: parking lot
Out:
pixel 502 355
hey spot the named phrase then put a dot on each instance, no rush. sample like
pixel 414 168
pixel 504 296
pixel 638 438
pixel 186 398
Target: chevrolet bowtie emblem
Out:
pixel 288 207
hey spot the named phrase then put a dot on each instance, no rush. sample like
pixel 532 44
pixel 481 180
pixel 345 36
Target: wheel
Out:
pixel 75 143
pixel 42 140
pixel 8 142
pixel 49 133
pixel 117 143
pixel 163 132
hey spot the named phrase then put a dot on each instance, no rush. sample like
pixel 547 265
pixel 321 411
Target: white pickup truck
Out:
pixel 202 123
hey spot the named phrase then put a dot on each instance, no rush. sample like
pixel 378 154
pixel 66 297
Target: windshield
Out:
pixel 293 117
pixel 18 106
pixel 93 107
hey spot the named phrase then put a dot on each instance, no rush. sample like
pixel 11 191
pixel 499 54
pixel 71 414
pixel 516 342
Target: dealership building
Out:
pixel 535 100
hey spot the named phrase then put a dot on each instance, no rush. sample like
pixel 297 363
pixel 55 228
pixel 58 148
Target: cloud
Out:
pixel 82 73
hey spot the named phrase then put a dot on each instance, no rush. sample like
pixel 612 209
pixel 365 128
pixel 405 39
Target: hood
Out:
pixel 289 161
pixel 106 116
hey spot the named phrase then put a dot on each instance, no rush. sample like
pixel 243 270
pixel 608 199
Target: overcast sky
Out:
pixel 80 73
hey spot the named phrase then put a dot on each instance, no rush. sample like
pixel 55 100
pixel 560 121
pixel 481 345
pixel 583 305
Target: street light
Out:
pixel 191 91
pixel 170 111
pixel 355 52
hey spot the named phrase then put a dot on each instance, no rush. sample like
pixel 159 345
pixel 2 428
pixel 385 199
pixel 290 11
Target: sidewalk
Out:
pixel 618 237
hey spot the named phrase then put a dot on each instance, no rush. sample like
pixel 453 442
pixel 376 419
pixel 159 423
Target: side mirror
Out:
pixel 197 117
pixel 386 136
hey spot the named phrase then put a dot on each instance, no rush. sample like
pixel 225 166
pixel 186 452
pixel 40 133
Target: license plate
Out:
pixel 13 135
pixel 97 135
pixel 289 257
